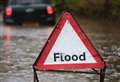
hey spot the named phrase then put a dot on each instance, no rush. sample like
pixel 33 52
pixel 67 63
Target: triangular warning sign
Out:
pixel 68 48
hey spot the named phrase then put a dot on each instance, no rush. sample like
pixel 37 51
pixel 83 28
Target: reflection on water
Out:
pixel 20 47
pixel 7 44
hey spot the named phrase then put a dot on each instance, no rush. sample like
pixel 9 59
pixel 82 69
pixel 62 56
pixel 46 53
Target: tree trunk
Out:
pixel 107 6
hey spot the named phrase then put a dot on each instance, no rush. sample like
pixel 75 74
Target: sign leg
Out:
pixel 35 76
pixel 102 74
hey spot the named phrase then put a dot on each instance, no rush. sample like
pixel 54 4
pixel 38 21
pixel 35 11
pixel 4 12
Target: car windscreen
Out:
pixel 28 1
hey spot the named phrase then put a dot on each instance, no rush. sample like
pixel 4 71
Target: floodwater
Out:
pixel 20 46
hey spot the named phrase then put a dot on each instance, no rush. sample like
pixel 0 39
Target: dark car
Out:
pixel 19 11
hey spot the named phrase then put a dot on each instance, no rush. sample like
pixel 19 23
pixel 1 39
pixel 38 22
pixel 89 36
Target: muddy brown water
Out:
pixel 20 46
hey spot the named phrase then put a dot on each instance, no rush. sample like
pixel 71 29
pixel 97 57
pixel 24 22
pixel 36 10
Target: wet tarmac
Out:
pixel 20 46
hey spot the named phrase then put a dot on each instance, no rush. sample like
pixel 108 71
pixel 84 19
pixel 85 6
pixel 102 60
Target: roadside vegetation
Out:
pixel 107 9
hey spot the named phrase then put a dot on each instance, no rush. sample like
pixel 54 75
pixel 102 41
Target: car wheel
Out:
pixel 48 23
pixel 51 23
pixel 18 23
pixel 5 22
pixel 11 23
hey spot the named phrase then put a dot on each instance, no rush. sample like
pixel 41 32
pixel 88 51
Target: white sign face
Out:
pixel 69 49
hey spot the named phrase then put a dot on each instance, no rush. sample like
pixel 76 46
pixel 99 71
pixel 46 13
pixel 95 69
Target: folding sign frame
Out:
pixel 39 63
pixel 101 73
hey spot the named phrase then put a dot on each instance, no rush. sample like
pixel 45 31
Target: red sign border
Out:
pixel 39 64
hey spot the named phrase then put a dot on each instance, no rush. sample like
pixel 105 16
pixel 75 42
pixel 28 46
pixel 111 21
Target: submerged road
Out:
pixel 20 46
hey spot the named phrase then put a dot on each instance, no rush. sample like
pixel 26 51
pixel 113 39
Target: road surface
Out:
pixel 20 46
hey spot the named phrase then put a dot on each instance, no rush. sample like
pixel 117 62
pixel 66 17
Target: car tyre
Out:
pixel 5 22
pixel 51 23
pixel 48 23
